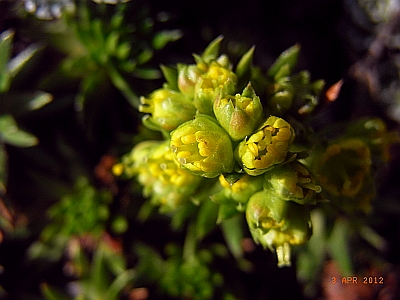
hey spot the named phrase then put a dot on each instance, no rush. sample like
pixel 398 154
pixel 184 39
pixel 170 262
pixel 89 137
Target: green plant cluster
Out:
pixel 226 153
pixel 238 141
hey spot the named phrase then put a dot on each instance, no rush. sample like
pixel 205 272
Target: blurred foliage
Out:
pixel 84 82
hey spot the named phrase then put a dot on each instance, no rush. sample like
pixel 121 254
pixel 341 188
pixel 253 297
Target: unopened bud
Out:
pixel 188 75
pixel 168 108
pixel 203 147
pixel 216 81
pixel 162 179
pixel 293 182
pixel 278 224
pixel 239 114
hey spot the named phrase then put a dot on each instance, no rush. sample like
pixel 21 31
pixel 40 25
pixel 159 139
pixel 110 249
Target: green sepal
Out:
pixel 287 59
pixel 243 68
pixel 148 123
pixel 212 50
pixel 171 75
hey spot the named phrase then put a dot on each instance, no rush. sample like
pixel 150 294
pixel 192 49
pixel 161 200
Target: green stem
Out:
pixel 190 245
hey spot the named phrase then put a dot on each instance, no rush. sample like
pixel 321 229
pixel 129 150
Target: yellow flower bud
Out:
pixel 203 147
pixel 216 81
pixel 239 114
pixel 162 179
pixel 267 147
pixel 168 108
pixel 277 224
pixel 292 182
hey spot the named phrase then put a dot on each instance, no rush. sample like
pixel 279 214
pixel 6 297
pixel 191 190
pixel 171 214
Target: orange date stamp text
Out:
pixel 370 280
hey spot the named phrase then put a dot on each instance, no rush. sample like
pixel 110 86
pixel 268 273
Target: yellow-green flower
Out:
pixel 203 147
pixel 293 182
pixel 343 171
pixel 278 224
pixel 162 179
pixel 267 147
pixel 139 155
pixel 374 133
pixel 216 81
pixel 239 114
pixel 168 108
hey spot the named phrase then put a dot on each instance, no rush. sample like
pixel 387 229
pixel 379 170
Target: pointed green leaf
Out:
pixel 212 50
pixel 98 271
pixel 6 38
pixel 123 50
pixel 150 263
pixel 161 39
pixel 3 170
pixel 19 103
pixel 147 73
pixel 115 261
pixel 112 42
pixel 198 59
pixel 243 68
pixel 121 84
pixel 372 237
pixel 128 66
pixel 97 34
pixel 171 75
pixel 119 284
pixel 50 293
pixel 311 258
pixel 11 134
pixel 232 229
pixel 206 218
pixel 16 64
pixel 183 214
pixel 339 246
pixel 144 56
pixel 288 57
pixel 282 73
pixel 39 100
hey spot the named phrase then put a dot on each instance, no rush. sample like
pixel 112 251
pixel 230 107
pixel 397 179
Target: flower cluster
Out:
pixel 230 133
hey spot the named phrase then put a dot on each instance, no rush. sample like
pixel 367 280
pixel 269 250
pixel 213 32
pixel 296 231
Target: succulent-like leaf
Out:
pixel 212 50
pixel 11 134
pixel 288 57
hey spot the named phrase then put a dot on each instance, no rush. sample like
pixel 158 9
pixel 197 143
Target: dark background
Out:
pixel 335 38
